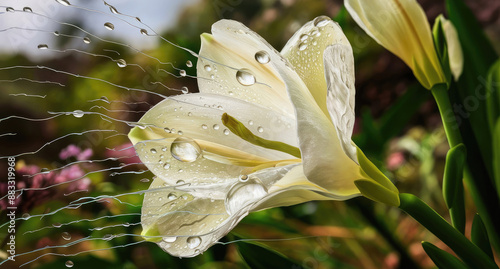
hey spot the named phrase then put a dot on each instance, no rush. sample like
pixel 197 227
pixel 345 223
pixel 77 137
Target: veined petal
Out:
pixel 305 52
pixel 401 27
pixel 339 72
pixel 185 225
pixel 214 154
pixel 234 61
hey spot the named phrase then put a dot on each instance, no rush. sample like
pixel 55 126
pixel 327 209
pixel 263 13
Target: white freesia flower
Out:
pixel 402 27
pixel 211 173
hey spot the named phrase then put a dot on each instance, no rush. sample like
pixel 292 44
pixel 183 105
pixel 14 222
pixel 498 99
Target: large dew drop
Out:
pixel 69 264
pixel 193 241
pixel 262 57
pixel 244 193
pixel 245 77
pixel 185 149
pixel 321 21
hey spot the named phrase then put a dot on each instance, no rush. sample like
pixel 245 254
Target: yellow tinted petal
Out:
pixel 401 27
pixel 305 52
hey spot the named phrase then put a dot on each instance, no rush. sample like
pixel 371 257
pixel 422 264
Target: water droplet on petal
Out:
pixel 262 57
pixel 193 242
pixel 153 151
pixel 56 33
pixel 109 26
pixel 243 178
pixel 226 132
pixel 27 9
pixel 179 182
pixel 57 225
pixel 204 126
pixel 208 68
pixel 185 149
pixel 304 37
pixel 172 196
pixel 63 2
pixel 9 9
pixel 245 77
pixel 69 264
pixel 78 113
pixel 216 126
pixel 169 239
pixel 182 73
pixel 144 180
pixel 166 166
pixel 250 122
pixel 302 46
pixel 144 32
pixel 243 194
pixel 66 236
pixel 260 129
pixel 121 63
pixel 43 46
pixel 321 21
pixel 86 40
pixel 189 64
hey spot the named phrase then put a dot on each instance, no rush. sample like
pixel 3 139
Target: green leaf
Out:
pixel 376 192
pixel 441 46
pixel 453 185
pixel 258 256
pixel 371 171
pixel 493 97
pixel 479 236
pixel 237 128
pixel 471 254
pixel 441 258
pixel 479 55
pixel 496 155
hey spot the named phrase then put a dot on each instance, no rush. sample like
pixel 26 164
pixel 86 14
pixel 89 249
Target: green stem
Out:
pixel 476 188
pixel 440 93
pixel 465 249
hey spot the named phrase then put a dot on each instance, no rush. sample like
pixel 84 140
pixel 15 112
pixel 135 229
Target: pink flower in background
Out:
pixel 395 160
pixel 74 151
pixel 35 183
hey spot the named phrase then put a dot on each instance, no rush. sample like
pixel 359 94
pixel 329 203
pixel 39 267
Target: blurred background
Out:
pixel 49 65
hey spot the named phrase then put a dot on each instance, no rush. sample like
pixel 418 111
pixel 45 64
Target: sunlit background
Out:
pixel 66 73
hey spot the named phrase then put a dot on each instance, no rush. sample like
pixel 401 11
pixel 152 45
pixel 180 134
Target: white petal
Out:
pixel 339 72
pixel 324 160
pixel 231 48
pixel 198 116
pixel 305 52
pixel 401 27
pixel 189 224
